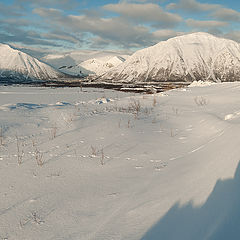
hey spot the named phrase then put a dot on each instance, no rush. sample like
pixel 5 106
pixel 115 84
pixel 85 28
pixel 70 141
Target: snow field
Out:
pixel 115 165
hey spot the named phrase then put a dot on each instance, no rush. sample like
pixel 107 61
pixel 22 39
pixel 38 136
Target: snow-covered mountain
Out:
pixel 85 61
pixel 99 66
pixel 74 70
pixel 16 65
pixel 196 56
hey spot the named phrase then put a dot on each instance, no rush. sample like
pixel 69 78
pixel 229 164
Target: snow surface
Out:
pixel 196 56
pixel 161 166
pixel 15 64
pixel 201 83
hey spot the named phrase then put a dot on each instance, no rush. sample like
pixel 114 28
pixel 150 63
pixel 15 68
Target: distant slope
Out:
pixel 16 65
pixel 99 66
pixel 74 70
pixel 85 61
pixel 197 56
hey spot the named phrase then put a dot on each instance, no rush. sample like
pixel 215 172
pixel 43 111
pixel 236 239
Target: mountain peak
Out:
pixel 16 65
pixel 6 47
pixel 195 56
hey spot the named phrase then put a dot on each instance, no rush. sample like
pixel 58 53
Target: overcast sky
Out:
pixel 112 24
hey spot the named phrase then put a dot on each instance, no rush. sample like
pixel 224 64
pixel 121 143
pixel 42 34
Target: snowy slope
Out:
pixel 85 61
pixel 75 167
pixel 16 65
pixel 101 65
pixel 196 56
pixel 74 70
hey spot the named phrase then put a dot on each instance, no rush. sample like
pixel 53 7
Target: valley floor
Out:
pixel 107 165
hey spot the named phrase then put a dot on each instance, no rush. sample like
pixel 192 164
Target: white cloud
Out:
pixel 164 34
pixel 226 14
pixel 234 35
pixel 192 6
pixel 145 13
pixel 118 30
pixel 126 24
pixel 205 24
pixel 48 12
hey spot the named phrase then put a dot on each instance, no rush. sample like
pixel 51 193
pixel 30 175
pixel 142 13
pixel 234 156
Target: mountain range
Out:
pixel 85 62
pixel 196 56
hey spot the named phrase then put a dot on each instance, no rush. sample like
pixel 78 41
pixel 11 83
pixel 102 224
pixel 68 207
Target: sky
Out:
pixel 64 25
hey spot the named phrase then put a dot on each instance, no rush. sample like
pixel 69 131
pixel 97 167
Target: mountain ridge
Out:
pixel 195 56
pixel 88 62
pixel 17 65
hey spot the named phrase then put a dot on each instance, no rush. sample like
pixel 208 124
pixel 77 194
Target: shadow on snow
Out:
pixel 217 219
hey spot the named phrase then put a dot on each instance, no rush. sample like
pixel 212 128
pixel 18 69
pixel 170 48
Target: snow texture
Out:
pixel 162 166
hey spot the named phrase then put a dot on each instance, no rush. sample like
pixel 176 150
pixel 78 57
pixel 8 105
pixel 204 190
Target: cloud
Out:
pixel 205 24
pixel 217 11
pixel 126 24
pixel 11 10
pixel 14 22
pixel 61 36
pixel 61 4
pixel 48 12
pixel 145 13
pixel 233 35
pixel 13 33
pixel 117 29
pixel 192 6
pixel 165 34
pixel 37 52
pixel 142 1
pixel 226 14
pixel 27 39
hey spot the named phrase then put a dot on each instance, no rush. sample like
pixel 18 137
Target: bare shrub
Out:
pixel 135 107
pixel 5 237
pixel 175 110
pixel 34 143
pixel 154 120
pixel 36 218
pixel 102 157
pixel 39 157
pixel 20 151
pixel 70 118
pixel 1 136
pixel 53 132
pixel 147 110
pixel 201 101
pixel 119 123
pixel 93 151
pixel 128 125
pixel 173 133
pixel 154 101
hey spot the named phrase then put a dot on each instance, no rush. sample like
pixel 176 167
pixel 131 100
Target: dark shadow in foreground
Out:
pixel 217 219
